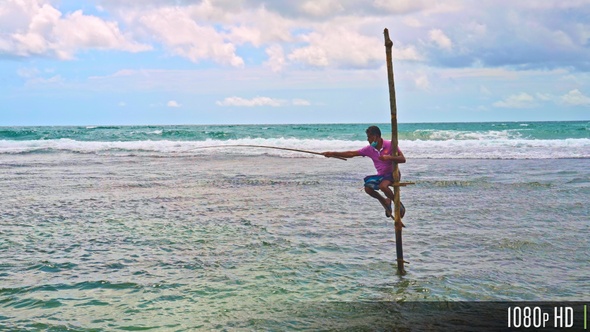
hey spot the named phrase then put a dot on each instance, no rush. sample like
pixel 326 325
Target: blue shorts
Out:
pixel 373 181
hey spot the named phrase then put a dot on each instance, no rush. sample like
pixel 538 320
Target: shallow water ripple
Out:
pixel 96 243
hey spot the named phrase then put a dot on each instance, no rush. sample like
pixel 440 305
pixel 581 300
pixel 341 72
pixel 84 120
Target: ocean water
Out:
pixel 142 228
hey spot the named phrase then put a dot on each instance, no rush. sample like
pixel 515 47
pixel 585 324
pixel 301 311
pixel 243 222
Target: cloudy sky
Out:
pixel 73 62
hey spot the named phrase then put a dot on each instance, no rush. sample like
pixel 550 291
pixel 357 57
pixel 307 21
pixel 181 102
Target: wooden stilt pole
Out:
pixel 394 143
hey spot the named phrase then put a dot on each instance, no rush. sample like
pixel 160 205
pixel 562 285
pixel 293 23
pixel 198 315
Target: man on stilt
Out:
pixel 380 151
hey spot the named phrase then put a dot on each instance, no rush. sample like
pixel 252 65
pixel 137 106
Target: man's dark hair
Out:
pixel 373 130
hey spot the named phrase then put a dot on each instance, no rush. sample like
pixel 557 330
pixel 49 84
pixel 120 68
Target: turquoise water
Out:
pixel 407 131
pixel 113 229
pixel 513 140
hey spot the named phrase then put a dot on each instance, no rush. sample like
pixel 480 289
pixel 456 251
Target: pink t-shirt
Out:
pixel 383 167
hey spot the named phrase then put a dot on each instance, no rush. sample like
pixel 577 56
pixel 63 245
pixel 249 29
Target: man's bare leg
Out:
pixel 386 202
pixel 384 187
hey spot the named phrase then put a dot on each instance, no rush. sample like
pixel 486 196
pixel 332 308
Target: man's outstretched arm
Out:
pixel 342 154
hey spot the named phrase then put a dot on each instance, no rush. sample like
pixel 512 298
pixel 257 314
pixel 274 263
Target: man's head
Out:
pixel 373 130
pixel 373 135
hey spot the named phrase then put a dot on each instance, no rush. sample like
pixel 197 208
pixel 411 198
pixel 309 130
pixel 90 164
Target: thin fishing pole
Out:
pixel 266 147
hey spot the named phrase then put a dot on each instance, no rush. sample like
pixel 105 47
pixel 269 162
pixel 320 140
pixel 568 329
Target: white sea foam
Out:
pixel 445 135
pixel 429 149
pixel 498 149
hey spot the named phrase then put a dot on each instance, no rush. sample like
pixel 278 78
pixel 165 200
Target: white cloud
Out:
pixel 321 7
pixel 412 22
pixel 301 102
pixel 276 58
pixel 261 101
pixel 184 36
pixel 521 100
pixel 544 96
pixel 209 30
pixel 440 39
pixel 575 98
pixel 243 34
pixel 314 55
pixel 82 31
pixel 34 27
pixel 205 32
pixel 254 102
pixel 323 34
pixel 340 45
pixel 173 104
pixel 258 26
pixel 401 6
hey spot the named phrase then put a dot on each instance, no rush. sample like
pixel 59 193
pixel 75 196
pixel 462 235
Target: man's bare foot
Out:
pixel 402 209
pixel 387 207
